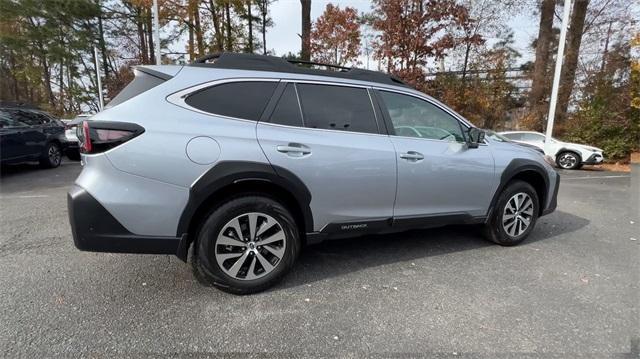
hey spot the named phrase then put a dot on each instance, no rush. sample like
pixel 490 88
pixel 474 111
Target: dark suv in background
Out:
pixel 29 134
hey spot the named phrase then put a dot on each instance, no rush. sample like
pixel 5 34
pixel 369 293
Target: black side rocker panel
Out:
pixel 96 230
pixel 227 173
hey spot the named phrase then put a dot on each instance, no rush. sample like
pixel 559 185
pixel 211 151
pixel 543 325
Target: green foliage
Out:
pixel 605 116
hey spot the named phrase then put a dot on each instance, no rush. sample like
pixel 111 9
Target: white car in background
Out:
pixel 70 126
pixel 567 155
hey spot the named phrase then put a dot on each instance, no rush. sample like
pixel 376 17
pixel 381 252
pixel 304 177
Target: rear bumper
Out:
pixel 96 230
pixel 553 203
pixel 594 159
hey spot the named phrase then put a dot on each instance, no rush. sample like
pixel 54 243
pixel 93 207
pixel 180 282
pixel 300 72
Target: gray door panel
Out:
pixel 451 178
pixel 351 176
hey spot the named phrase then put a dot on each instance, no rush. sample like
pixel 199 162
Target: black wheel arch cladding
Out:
pixel 515 170
pixel 227 175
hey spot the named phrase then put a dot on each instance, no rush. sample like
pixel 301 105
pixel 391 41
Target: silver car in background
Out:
pixel 245 159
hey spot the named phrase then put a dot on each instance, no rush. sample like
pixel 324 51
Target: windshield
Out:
pixel 496 136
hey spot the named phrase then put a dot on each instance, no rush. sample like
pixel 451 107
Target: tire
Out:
pixel 250 265
pixel 51 156
pixel 73 155
pixel 568 160
pixel 501 229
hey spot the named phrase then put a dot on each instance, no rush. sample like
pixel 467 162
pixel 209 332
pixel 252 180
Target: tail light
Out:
pixel 100 136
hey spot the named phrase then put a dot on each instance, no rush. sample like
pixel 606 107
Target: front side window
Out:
pixel 245 100
pixel 414 117
pixel 337 108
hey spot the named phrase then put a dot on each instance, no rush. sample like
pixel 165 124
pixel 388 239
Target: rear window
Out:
pixel 245 100
pixel 141 82
pixel 337 108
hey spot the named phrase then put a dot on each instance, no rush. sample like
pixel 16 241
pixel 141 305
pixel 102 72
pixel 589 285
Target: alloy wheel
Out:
pixel 250 246
pixel 567 160
pixel 517 214
pixel 54 154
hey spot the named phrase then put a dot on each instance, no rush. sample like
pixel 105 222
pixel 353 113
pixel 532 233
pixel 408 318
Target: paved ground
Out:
pixel 571 289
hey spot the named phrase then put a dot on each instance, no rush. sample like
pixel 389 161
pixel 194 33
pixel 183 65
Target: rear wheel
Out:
pixel 246 245
pixel 568 160
pixel 514 216
pixel 52 156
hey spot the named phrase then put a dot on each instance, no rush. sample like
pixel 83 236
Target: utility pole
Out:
pixel 156 32
pixel 556 76
pixel 99 82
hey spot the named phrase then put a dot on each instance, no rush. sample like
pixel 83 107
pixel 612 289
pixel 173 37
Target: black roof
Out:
pixel 238 61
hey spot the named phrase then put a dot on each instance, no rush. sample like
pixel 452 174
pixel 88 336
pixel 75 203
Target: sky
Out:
pixel 283 36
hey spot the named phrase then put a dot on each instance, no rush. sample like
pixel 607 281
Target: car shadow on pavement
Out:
pixel 338 257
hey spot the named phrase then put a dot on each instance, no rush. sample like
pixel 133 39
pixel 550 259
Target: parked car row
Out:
pixel 28 134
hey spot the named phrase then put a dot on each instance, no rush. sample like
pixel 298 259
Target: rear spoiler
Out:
pixel 163 72
pixel 146 78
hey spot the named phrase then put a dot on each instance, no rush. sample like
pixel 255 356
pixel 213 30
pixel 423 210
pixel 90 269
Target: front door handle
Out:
pixel 294 149
pixel 412 156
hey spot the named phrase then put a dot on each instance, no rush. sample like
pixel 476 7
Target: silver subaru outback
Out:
pixel 245 159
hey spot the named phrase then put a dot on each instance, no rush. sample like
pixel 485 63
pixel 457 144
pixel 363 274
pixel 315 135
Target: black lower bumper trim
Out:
pixel 594 159
pixel 96 230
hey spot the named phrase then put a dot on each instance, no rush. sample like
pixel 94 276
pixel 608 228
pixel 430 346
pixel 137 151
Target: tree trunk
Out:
pixel 47 78
pixel 198 30
pixel 605 53
pixel 227 12
pixel 152 51
pixel 103 46
pixel 466 61
pixel 250 17
pixel 219 36
pixel 141 37
pixel 305 52
pixel 190 41
pixel 264 11
pixel 545 34
pixel 568 75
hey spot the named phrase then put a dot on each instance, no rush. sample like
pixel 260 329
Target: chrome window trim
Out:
pixel 178 98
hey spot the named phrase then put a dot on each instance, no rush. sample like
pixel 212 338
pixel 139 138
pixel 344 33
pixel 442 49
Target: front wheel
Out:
pixel 52 156
pixel 568 160
pixel 246 245
pixel 514 215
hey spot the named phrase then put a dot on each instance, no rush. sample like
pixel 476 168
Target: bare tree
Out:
pixel 543 44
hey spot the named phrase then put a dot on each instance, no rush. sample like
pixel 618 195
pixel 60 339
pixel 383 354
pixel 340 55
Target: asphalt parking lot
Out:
pixel 572 289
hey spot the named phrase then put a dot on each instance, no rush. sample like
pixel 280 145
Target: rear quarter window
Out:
pixel 244 100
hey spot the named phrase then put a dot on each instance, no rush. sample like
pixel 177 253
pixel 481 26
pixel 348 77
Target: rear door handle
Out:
pixel 294 149
pixel 412 156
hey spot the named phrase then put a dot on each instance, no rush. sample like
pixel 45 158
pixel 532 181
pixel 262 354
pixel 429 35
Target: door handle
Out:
pixel 294 149
pixel 412 156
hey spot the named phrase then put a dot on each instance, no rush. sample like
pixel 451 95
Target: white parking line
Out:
pixel 594 177
pixel 30 196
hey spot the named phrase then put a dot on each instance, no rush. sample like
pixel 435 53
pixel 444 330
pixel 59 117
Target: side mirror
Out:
pixel 475 136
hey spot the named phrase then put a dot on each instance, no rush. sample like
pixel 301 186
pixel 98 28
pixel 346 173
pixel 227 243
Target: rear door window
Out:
pixel 287 111
pixel 337 108
pixel 244 100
